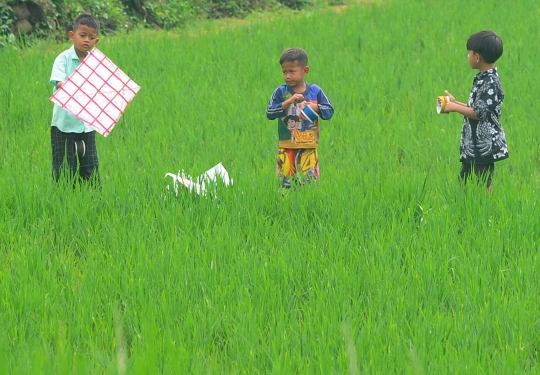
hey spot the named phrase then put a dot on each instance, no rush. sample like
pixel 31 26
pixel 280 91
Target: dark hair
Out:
pixel 487 44
pixel 294 54
pixel 291 117
pixel 87 20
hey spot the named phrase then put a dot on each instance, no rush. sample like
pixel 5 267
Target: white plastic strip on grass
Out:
pixel 202 184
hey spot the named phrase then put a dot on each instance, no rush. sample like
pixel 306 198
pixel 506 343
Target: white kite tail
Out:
pixel 214 172
pixel 180 178
pixel 200 183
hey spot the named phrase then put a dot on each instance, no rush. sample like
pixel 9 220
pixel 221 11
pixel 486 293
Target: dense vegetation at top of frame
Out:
pixel 21 21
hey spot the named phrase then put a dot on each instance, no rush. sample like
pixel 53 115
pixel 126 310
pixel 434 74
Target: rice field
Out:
pixel 387 266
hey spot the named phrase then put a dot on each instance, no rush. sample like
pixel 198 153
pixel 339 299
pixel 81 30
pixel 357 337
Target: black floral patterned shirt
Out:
pixel 483 141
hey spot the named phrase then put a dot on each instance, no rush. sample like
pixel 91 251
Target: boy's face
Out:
pixel 474 59
pixel 84 38
pixel 293 73
pixel 292 124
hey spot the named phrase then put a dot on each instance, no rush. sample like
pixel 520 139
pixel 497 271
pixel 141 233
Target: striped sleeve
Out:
pixel 326 108
pixel 275 107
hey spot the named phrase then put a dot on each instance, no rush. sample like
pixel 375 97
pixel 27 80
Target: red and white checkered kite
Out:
pixel 97 92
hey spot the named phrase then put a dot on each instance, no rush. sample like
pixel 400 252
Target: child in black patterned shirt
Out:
pixel 483 141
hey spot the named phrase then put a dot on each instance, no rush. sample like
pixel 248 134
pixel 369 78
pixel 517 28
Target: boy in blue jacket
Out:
pixel 298 135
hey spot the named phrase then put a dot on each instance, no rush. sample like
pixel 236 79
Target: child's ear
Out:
pixel 97 41
pixel 306 69
pixel 71 34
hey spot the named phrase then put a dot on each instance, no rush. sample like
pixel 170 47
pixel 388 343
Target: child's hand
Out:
pixel 293 100
pixel 314 107
pixel 450 106
pixel 452 99
pixel 311 105
pixel 296 98
pixel 300 106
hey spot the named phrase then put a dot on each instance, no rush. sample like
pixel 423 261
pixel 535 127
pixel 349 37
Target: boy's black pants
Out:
pixel 484 172
pixel 63 145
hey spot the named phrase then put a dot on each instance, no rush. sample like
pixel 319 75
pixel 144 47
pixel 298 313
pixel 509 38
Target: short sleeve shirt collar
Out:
pixel 485 74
